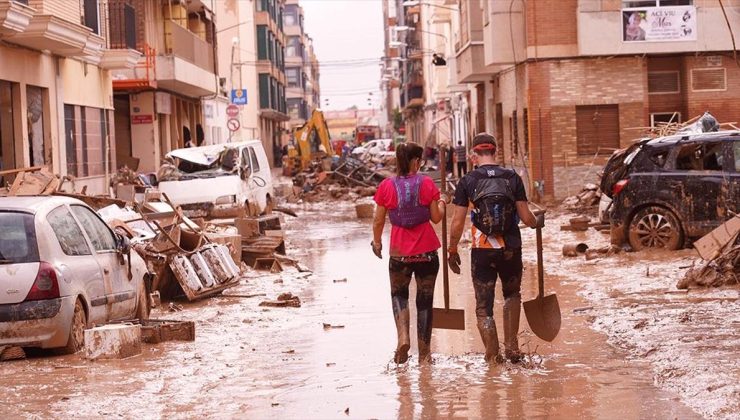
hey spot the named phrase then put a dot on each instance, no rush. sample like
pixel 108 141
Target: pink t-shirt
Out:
pixel 418 239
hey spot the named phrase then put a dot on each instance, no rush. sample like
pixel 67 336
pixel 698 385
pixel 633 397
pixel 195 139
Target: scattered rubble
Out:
pixel 721 252
pixel 589 196
pixel 283 300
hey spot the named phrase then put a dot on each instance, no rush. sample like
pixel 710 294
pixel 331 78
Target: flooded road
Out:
pixel 331 358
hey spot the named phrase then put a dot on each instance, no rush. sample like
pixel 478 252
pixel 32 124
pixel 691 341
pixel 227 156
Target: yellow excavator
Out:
pixel 312 142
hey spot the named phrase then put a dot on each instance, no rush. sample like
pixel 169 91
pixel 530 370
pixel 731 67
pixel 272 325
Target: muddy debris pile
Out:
pixel 723 270
pixel 588 197
pixel 349 179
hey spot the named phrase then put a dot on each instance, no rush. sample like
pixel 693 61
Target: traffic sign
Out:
pixel 232 110
pixel 239 96
pixel 233 124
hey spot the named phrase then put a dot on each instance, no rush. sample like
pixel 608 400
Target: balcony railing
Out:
pixel 184 44
pixel 123 25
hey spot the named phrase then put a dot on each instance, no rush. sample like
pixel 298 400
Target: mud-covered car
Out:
pixel 62 270
pixel 667 190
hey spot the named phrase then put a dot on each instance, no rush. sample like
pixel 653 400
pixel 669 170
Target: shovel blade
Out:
pixel 448 319
pixel 543 316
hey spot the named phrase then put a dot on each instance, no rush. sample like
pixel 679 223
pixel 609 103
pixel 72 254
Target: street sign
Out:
pixel 233 124
pixel 232 110
pixel 239 96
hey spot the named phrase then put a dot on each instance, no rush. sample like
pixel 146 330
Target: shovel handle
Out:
pixel 445 274
pixel 540 268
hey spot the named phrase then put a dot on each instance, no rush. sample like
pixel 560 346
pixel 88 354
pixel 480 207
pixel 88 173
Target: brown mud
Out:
pixel 282 363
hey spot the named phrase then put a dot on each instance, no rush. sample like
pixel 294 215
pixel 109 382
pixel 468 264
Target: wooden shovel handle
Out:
pixel 445 274
pixel 540 268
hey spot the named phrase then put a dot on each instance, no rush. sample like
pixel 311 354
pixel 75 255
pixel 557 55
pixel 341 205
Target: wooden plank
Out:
pixel 15 171
pixel 16 184
pixel 712 243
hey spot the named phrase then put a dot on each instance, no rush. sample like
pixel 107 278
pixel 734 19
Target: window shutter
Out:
pixel 663 82
pixel 708 79
pixel 264 90
pixel 262 42
pixel 597 129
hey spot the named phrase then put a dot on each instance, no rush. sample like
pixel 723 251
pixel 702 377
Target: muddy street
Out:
pixel 331 358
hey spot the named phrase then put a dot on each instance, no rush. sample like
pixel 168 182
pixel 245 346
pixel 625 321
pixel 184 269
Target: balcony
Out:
pixel 122 43
pixel 61 37
pixel 186 45
pixel 470 64
pixel 14 17
pixel 412 98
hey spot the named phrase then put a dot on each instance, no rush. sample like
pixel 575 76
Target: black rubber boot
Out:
pixel 512 308
pixel 424 334
pixel 401 315
pixel 489 335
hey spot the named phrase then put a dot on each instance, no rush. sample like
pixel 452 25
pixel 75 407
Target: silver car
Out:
pixel 62 270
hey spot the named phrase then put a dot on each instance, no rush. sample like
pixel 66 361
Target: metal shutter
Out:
pixel 597 129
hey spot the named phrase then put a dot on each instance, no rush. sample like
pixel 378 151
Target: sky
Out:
pixel 348 41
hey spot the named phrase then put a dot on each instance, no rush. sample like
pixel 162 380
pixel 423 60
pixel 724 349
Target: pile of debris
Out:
pixel 589 196
pixel 704 123
pixel 351 179
pixel 721 251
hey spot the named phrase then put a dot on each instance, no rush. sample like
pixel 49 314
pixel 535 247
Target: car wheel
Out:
pixel 142 304
pixel 655 227
pixel 77 330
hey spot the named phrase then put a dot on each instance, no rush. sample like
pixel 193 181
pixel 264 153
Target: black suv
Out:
pixel 670 189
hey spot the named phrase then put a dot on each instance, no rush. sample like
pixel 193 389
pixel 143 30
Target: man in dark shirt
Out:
pixel 496 255
pixel 461 156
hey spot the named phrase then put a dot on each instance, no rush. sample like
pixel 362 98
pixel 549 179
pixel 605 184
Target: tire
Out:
pixel 76 340
pixel 655 227
pixel 142 303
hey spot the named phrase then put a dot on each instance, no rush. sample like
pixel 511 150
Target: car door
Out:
pixel 247 191
pixel 121 298
pixel 261 177
pixel 706 179
pixel 75 261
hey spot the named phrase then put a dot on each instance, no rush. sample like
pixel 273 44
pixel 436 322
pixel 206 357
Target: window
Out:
pixel 294 108
pixel 700 157
pixel 736 150
pixel 19 238
pixel 86 133
pixel 290 17
pixel 664 117
pixel 122 25
pixel 90 15
pixel 464 22
pixel 708 80
pixel 293 75
pixel 262 49
pixel 656 3
pixel 255 162
pixel 101 237
pixel 293 48
pixel 67 231
pixel 597 129
pixel 525 124
pixel 660 82
pixel 264 90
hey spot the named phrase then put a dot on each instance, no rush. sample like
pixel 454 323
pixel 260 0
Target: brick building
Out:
pixel 563 83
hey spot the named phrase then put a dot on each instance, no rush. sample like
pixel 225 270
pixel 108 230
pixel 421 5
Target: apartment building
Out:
pixel 56 107
pixel 564 83
pixel 302 67
pixel 159 103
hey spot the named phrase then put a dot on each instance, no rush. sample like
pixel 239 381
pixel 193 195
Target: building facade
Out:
pixel 56 106
pixel 562 84
pixel 302 67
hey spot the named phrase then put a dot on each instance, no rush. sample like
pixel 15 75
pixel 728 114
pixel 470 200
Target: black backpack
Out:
pixel 495 208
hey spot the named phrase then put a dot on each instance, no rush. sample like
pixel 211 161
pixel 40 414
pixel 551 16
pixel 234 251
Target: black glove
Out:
pixel 377 249
pixel 539 217
pixel 453 260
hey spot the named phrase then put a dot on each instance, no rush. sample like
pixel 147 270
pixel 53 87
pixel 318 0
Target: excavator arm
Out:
pixel 310 137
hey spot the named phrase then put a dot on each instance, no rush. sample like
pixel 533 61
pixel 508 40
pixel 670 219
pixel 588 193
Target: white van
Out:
pixel 219 180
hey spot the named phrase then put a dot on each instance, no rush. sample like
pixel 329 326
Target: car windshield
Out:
pixel 18 244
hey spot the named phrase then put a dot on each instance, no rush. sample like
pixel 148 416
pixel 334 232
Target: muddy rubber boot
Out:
pixel 401 315
pixel 424 335
pixel 487 330
pixel 512 308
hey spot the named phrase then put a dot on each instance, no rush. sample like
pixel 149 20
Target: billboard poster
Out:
pixel 657 24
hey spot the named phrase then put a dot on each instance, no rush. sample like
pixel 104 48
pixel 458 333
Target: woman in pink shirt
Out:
pixel 411 202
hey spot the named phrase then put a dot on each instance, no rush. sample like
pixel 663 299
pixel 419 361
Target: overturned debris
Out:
pixel 588 197
pixel 721 250
pixel 284 300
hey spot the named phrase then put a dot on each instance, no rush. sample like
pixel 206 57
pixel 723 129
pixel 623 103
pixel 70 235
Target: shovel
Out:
pixel 543 312
pixel 446 318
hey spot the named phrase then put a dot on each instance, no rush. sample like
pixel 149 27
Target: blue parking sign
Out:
pixel 239 96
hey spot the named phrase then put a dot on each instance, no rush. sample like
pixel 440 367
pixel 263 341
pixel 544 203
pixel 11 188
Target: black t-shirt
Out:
pixel 466 186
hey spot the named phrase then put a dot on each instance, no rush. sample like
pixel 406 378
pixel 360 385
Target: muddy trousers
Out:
pixel 487 265
pixel 424 269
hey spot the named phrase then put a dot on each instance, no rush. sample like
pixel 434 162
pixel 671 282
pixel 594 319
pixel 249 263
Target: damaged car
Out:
pixel 63 270
pixel 668 190
pixel 219 180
